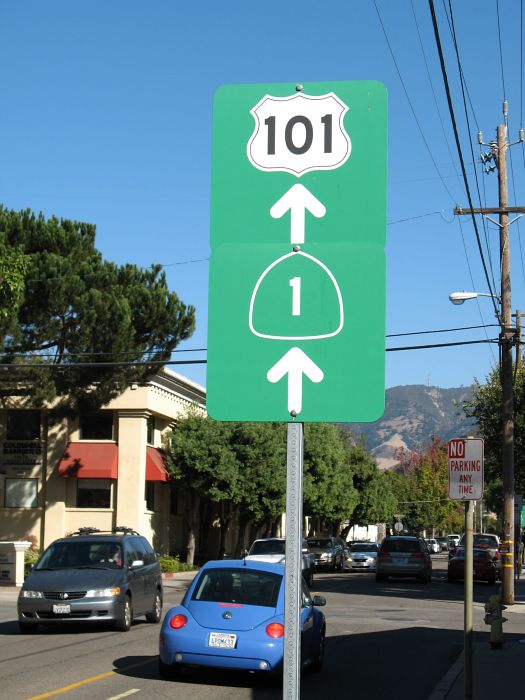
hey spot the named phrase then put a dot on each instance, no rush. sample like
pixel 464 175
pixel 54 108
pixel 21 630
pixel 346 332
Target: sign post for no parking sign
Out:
pixel 465 483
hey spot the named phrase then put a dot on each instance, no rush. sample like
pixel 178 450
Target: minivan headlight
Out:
pixel 31 594
pixel 103 592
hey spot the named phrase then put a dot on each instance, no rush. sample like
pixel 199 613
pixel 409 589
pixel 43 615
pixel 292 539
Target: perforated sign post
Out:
pixel 296 318
pixel 465 483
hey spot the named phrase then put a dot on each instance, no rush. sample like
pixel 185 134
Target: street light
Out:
pixel 458 298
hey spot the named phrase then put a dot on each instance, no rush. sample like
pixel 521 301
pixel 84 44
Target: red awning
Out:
pixel 90 460
pixel 155 465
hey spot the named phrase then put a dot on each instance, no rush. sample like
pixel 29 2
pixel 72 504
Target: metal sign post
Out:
pixel 465 483
pixel 469 597
pixel 293 573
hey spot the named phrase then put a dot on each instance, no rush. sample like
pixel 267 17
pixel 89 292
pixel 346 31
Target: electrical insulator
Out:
pixel 505 109
pixel 522 137
pixel 480 138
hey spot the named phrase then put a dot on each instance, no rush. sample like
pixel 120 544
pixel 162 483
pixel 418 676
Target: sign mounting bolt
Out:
pixel 298 87
pixel 296 248
pixel 293 414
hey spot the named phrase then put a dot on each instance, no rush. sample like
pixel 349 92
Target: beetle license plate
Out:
pixel 222 640
pixel 61 609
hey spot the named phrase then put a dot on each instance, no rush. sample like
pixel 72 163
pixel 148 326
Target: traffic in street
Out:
pixel 392 639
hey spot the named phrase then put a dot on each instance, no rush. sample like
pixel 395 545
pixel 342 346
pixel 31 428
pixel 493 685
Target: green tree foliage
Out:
pixel 329 493
pixel 13 268
pixel 260 449
pixel 485 407
pixel 422 489
pixel 77 309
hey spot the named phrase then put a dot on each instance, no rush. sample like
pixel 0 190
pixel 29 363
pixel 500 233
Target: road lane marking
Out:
pixel 86 681
pixel 131 691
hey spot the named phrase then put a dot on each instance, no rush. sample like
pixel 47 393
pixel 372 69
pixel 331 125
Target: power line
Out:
pixel 442 330
pixel 500 53
pixel 458 146
pixel 411 105
pixel 162 363
pixel 464 89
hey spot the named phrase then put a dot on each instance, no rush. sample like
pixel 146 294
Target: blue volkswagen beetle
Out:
pixel 232 617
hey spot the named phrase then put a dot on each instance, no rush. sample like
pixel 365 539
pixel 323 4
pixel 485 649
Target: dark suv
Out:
pixel 93 576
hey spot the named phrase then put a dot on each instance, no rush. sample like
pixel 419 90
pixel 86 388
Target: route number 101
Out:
pixel 292 138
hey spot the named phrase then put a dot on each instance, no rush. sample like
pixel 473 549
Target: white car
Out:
pixel 273 549
pixel 361 556
pixel 433 546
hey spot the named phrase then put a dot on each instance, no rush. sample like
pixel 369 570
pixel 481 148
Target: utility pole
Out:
pixel 507 340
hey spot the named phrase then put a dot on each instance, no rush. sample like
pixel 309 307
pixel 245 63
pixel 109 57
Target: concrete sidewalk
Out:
pixel 494 671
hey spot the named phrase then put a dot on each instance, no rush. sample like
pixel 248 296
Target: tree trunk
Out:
pixel 191 517
pixel 244 521
pixel 225 520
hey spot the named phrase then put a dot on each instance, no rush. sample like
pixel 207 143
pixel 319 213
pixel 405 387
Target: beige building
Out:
pixel 99 470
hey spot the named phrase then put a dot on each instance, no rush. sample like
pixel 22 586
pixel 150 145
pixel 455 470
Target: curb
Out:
pixel 444 686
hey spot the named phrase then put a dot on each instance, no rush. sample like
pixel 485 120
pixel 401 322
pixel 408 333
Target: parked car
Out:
pixel 453 540
pixel 328 552
pixel 273 550
pixel 93 576
pixel 404 555
pixel 484 566
pixel 232 616
pixel 361 556
pixel 487 541
pixel 443 543
pixel 433 546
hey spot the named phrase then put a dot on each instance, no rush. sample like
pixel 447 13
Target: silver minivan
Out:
pixel 93 577
pixel 404 555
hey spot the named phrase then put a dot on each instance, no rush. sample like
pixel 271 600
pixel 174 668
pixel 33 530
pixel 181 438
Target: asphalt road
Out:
pixel 392 640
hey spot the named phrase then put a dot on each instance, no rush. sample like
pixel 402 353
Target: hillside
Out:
pixel 412 415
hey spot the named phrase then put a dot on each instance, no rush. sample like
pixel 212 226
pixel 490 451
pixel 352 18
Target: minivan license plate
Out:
pixel 222 640
pixel 62 609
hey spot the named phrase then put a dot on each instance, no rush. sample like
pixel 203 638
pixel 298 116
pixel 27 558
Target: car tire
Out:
pixel 27 627
pixel 155 615
pixel 123 624
pixel 169 671
pixel 317 663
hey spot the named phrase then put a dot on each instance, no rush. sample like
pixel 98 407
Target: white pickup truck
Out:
pixel 272 549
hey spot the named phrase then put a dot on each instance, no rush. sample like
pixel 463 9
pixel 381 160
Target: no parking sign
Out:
pixel 465 469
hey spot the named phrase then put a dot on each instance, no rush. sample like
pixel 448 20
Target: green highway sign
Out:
pixel 296 327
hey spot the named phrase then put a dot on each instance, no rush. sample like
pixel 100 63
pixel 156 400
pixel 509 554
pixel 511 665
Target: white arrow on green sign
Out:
pixel 297 273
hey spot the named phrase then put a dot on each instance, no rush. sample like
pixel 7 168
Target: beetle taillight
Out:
pixel 178 621
pixel 275 630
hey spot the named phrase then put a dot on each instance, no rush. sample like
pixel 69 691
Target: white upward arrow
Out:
pixel 297 199
pixel 295 363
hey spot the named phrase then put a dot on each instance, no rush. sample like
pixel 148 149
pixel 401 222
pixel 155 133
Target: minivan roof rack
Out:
pixel 118 529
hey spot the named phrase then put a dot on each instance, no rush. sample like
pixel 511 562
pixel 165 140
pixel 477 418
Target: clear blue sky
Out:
pixel 106 117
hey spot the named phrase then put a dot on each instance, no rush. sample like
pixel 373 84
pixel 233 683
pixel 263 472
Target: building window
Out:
pixel 93 493
pixel 21 493
pixel 96 426
pixel 151 431
pixel 149 495
pixel 23 425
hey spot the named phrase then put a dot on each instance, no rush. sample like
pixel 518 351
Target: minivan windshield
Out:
pixel 320 543
pixel 75 554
